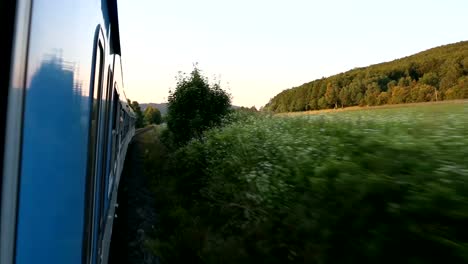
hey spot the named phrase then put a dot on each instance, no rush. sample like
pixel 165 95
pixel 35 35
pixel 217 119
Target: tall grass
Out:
pixel 381 186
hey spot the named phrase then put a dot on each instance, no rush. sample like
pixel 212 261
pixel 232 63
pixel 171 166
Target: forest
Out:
pixel 436 74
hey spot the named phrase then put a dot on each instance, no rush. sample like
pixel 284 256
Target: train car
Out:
pixel 65 129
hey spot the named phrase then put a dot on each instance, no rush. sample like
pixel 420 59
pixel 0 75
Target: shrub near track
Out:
pixel 381 186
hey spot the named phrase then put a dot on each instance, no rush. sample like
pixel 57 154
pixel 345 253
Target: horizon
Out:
pixel 257 52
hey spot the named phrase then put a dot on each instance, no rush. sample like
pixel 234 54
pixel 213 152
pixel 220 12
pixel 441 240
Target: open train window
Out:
pixel 96 92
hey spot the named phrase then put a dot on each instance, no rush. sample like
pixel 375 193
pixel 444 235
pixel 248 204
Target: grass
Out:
pixel 368 108
pixel 383 186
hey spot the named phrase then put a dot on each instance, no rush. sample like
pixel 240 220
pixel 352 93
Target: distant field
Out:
pixel 383 186
pixel 360 108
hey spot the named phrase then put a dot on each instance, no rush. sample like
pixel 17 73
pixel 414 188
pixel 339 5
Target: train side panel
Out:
pixel 63 204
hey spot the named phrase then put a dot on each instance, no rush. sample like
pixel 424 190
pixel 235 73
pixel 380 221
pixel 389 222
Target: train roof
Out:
pixel 116 48
pixel 114 21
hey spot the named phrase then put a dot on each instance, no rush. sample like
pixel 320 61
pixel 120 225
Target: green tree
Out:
pixel 372 92
pixel 332 94
pixel 356 91
pixel 404 81
pixel 345 96
pixel 459 91
pixel 382 98
pixel 451 72
pixel 322 103
pixel 391 84
pixel 399 95
pixel 195 106
pixel 464 64
pixel 422 93
pixel 139 115
pixel 253 109
pixel 152 116
pixel 430 78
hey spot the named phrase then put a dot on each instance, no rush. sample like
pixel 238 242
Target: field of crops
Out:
pixel 380 186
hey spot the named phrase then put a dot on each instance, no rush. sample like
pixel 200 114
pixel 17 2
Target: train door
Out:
pixel 104 158
pixel 90 196
pixel 95 153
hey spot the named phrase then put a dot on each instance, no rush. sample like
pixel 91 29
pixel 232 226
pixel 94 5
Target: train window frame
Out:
pixel 122 127
pixel 114 140
pixel 96 86
pixel 18 23
pixel 116 119
pixel 5 68
pixel 102 175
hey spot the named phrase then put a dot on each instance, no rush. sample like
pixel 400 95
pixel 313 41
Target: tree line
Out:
pixel 151 115
pixel 436 74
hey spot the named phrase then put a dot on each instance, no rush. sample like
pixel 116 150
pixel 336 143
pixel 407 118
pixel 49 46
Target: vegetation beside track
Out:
pixel 381 186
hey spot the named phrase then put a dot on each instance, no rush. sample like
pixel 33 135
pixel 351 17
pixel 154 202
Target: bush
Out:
pixel 139 123
pixel 152 116
pixel 195 106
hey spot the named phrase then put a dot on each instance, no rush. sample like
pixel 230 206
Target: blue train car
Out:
pixel 65 129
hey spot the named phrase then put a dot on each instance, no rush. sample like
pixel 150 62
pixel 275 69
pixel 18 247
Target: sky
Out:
pixel 258 48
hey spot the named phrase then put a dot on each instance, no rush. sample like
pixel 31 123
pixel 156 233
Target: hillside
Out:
pixel 162 107
pixel 436 74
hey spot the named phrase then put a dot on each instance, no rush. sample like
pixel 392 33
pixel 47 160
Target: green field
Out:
pixel 381 186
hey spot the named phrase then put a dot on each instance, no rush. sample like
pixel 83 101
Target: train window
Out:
pixel 92 147
pixel 115 116
pixel 104 137
pixel 122 117
pixel 119 126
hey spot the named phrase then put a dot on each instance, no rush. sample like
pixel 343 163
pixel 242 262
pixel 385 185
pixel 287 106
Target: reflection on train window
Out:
pixel 97 90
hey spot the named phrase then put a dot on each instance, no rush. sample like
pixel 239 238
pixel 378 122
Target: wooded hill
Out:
pixel 436 74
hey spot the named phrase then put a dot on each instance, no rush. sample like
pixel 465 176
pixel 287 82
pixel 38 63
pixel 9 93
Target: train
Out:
pixel 65 130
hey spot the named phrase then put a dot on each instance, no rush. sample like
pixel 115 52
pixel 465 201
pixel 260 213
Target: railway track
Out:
pixel 142 130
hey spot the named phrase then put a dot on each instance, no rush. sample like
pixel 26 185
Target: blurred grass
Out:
pixel 381 186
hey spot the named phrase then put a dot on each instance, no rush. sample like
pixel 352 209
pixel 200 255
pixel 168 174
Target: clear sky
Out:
pixel 257 48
